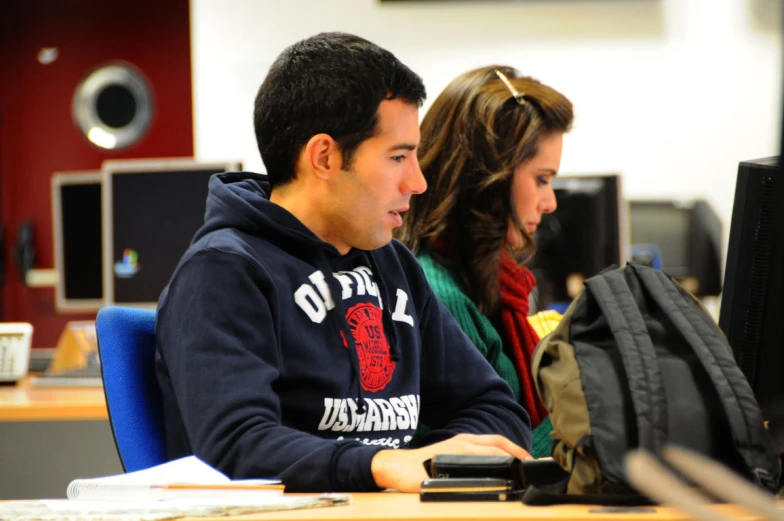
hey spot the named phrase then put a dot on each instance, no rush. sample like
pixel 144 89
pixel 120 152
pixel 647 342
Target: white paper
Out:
pixel 184 470
pixel 65 510
pixel 147 484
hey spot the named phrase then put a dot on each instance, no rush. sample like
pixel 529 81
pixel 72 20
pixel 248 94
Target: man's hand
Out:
pixel 403 470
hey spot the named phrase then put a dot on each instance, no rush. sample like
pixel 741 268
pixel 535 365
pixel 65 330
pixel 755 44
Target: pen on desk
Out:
pixel 220 486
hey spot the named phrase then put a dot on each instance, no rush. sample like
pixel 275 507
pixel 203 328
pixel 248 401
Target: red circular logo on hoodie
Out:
pixel 375 364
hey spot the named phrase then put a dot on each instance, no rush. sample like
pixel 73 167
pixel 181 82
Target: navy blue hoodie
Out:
pixel 278 356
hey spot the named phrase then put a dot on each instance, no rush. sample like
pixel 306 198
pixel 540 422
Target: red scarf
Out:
pixel 517 283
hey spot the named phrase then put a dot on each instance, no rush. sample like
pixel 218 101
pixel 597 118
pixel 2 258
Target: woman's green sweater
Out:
pixel 485 337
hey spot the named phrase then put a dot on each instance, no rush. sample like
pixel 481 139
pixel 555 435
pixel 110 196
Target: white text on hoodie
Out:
pixel 315 299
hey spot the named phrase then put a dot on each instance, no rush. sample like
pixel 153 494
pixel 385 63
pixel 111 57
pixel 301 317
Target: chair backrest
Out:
pixel 126 344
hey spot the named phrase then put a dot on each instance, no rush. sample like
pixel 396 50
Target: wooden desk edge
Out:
pixel 40 413
pixel 24 402
pixel 407 507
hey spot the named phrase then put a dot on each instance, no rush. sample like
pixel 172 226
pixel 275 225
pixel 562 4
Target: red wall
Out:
pixel 37 135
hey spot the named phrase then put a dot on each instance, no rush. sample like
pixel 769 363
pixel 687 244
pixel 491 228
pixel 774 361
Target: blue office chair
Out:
pixel 126 345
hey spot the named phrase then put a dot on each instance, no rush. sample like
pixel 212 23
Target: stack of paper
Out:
pixel 67 510
pixel 179 479
pixel 186 487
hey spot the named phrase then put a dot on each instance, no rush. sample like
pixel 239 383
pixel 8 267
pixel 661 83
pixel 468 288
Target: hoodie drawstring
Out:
pixel 322 263
pixel 389 326
pixel 345 333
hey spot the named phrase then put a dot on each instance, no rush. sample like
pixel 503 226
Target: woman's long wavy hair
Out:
pixel 472 138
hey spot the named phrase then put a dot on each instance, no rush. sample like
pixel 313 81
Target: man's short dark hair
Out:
pixel 330 83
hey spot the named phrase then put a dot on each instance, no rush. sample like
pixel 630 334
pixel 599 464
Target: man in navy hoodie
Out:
pixel 296 339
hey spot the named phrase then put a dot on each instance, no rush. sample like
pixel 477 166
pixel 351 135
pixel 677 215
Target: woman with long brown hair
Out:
pixel 490 145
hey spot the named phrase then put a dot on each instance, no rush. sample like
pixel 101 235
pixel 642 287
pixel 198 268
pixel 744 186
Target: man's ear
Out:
pixel 322 156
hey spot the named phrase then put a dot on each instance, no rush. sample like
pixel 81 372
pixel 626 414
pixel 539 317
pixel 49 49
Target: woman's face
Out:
pixel 532 193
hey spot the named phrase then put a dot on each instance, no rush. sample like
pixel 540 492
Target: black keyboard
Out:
pixel 82 372
pixel 84 376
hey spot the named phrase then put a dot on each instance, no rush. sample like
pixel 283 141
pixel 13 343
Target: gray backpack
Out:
pixel 637 362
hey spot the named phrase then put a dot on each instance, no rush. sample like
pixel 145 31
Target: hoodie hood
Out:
pixel 240 201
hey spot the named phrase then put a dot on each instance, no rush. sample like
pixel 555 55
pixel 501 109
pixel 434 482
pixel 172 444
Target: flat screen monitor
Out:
pixel 586 234
pixel 687 237
pixel 752 305
pixel 152 208
pixel 77 232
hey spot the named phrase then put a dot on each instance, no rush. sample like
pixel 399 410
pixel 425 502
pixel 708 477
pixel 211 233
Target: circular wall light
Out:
pixel 113 106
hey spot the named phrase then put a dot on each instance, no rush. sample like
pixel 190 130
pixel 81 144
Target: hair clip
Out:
pixel 519 97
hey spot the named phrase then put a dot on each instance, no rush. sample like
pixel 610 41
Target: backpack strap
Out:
pixel 646 386
pixel 715 355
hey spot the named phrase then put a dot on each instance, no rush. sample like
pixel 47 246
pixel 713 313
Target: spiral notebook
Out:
pixel 179 479
pixel 186 487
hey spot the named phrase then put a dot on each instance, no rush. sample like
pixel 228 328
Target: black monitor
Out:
pixel 152 208
pixel 77 233
pixel 686 235
pixel 752 307
pixel 586 234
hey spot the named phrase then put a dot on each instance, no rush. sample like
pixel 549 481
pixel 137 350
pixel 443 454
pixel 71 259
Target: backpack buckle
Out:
pixel 763 478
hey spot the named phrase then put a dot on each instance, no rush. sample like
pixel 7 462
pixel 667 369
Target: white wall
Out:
pixel 671 93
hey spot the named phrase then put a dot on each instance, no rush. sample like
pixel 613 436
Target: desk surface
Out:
pixel 24 402
pixel 407 507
